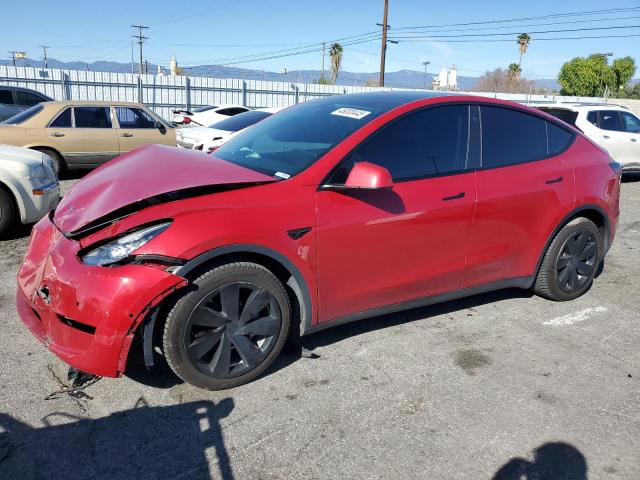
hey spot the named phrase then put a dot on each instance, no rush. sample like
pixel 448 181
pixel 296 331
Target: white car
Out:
pixel 29 188
pixel 206 115
pixel 611 126
pixel 211 137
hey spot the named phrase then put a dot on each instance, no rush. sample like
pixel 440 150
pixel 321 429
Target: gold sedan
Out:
pixel 85 134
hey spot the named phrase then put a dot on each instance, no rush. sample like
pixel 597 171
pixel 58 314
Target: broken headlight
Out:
pixel 121 248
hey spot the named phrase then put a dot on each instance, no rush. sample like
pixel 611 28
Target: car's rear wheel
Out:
pixel 229 328
pixel 571 261
pixel 7 212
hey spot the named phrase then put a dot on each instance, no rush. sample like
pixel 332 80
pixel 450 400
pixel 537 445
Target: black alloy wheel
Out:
pixel 577 262
pixel 232 330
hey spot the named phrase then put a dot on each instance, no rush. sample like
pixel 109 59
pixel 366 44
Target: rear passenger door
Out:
pixel 524 188
pixel 613 135
pixel 632 126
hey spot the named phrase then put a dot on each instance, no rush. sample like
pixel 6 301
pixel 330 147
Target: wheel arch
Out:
pixel 590 211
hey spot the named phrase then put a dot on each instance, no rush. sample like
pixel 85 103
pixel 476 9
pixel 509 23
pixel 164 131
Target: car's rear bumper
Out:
pixel 85 315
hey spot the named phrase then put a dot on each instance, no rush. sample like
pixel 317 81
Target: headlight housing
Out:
pixel 123 247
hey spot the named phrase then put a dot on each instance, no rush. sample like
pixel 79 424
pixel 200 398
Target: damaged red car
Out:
pixel 334 210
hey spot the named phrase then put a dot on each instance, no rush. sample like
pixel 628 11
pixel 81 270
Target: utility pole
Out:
pixel 141 40
pixel 44 55
pixel 425 73
pixel 13 58
pixel 323 47
pixel 383 50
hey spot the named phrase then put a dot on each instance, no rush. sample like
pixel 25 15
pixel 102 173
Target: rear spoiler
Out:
pixel 182 112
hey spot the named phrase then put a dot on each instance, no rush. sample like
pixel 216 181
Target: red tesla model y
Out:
pixel 334 210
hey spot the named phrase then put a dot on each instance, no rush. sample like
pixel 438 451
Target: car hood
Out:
pixel 20 155
pixel 143 177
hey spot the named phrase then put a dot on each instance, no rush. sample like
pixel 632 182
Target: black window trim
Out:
pixel 479 103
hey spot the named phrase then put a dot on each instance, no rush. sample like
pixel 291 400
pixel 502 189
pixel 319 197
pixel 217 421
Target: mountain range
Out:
pixel 398 79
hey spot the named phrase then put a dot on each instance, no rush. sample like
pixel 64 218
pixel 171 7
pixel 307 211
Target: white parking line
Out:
pixel 576 317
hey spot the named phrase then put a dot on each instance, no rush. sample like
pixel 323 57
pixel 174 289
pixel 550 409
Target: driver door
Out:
pixel 378 248
pixel 137 128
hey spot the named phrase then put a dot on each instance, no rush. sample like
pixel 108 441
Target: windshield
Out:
pixel 23 116
pixel 240 121
pixel 286 144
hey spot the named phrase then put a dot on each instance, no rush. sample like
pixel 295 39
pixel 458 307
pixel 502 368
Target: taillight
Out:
pixel 212 149
pixel 186 120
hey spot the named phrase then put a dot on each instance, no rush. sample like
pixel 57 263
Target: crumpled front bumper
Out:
pixel 86 315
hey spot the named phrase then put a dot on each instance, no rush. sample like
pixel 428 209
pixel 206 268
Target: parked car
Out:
pixel 29 188
pixel 614 127
pixel 14 100
pixel 85 134
pixel 334 210
pixel 212 137
pixel 206 115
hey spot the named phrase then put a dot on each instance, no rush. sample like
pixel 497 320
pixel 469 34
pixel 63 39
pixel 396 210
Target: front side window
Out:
pixel 631 122
pixel 510 137
pixel 610 120
pixel 63 120
pixel 129 117
pixel 27 98
pixel 92 117
pixel 5 96
pixel 426 143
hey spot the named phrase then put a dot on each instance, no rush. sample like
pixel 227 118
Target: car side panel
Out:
pixel 517 209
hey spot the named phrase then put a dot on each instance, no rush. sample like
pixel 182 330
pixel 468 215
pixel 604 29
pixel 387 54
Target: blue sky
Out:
pixel 203 31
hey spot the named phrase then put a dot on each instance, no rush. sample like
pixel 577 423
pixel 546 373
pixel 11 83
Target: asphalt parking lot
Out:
pixel 503 385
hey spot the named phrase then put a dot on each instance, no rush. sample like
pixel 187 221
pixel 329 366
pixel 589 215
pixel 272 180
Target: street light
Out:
pixel 425 73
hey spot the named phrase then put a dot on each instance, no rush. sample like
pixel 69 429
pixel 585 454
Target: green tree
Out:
pixel 335 53
pixel 624 68
pixel 523 43
pixel 514 70
pixel 586 77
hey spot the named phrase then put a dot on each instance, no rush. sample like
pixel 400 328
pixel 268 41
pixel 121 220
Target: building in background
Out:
pixel 447 79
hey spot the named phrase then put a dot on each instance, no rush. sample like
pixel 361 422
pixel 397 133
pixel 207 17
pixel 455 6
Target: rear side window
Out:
pixel 6 97
pixel 592 118
pixel 28 99
pixel 510 137
pixel 231 111
pixel 63 120
pixel 92 117
pixel 610 120
pixel 422 144
pixel 134 118
pixel 631 122
pixel 558 139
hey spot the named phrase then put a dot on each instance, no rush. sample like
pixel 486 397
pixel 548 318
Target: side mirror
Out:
pixel 159 126
pixel 369 176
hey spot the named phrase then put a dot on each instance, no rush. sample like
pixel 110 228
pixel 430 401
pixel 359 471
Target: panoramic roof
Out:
pixel 385 100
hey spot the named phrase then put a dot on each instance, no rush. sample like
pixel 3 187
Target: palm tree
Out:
pixel 335 53
pixel 523 43
pixel 514 70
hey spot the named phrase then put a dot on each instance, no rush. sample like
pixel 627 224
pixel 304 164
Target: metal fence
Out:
pixel 163 93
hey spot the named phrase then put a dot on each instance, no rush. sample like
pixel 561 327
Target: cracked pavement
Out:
pixel 503 385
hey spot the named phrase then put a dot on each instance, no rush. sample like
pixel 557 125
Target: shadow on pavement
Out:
pixel 551 461
pixel 142 443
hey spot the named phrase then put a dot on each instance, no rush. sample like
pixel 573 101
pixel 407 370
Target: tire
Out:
pixel 7 212
pixel 228 328
pixel 571 261
pixel 59 165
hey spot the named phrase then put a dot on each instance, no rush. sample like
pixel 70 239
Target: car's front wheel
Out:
pixel 229 328
pixel 7 212
pixel 571 261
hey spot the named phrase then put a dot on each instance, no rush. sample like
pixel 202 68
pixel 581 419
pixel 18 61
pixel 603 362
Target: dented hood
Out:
pixel 143 174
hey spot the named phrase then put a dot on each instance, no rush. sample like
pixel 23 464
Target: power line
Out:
pixel 497 40
pixel 141 40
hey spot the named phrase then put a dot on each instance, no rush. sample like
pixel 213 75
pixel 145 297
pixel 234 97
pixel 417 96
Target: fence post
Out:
pixel 139 89
pixel 66 88
pixel 296 93
pixel 244 93
pixel 187 93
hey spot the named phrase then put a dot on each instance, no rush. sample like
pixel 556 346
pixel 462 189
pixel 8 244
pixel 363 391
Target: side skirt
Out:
pixel 518 282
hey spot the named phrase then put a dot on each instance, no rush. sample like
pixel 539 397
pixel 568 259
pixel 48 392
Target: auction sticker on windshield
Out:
pixel 351 113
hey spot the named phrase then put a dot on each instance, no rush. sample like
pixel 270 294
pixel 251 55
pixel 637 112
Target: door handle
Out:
pixel 606 137
pixel 57 134
pixel 555 180
pixel 127 135
pixel 454 197
pixel 633 140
